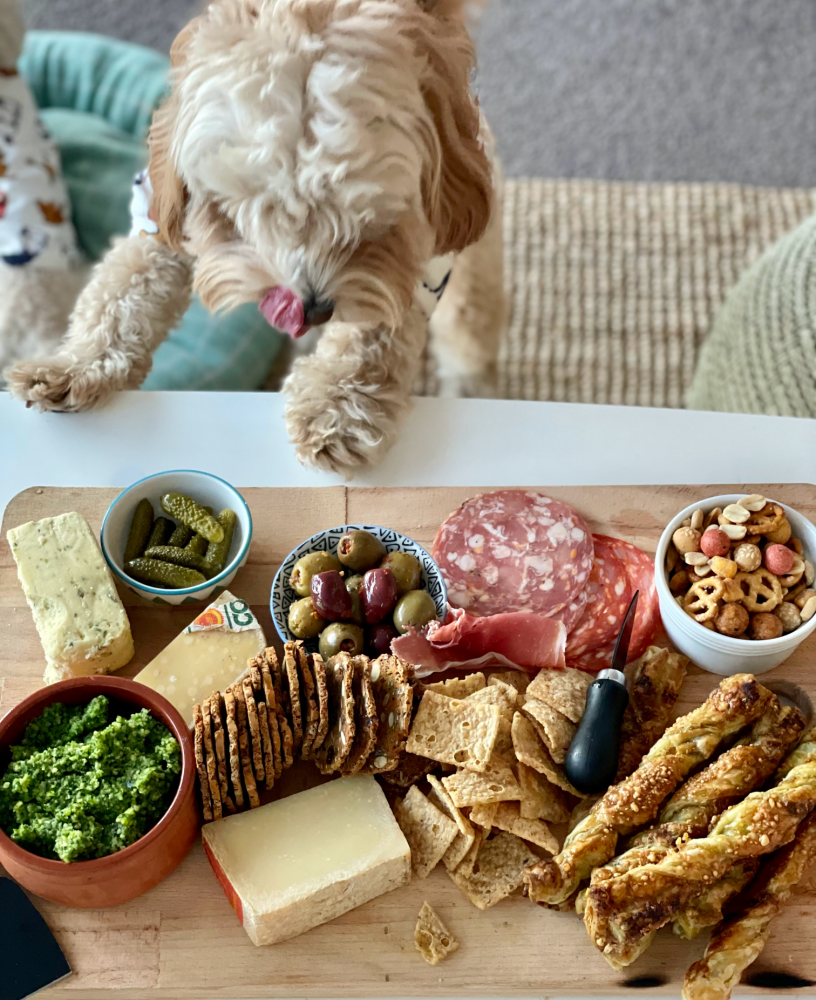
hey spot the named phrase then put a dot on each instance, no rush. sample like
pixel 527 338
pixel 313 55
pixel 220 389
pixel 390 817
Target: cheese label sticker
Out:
pixel 232 617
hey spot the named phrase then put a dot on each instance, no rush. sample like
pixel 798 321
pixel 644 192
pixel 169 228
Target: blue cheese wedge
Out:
pixel 82 624
pixel 303 860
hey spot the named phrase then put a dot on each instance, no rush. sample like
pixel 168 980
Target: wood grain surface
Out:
pixel 182 940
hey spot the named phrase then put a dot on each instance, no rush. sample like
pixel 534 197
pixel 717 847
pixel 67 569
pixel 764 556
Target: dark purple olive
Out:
pixel 330 598
pixel 379 638
pixel 378 594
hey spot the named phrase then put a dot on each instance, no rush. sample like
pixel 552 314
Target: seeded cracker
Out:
pixel 337 745
pixel 234 750
pixel 519 679
pixel 394 697
pixel 322 697
pixel 534 830
pixel 540 799
pixel 201 764
pixel 244 747
pixel 454 732
pixel 501 863
pixel 427 829
pixel 291 695
pixel 272 711
pixel 457 687
pixel 463 841
pixel 219 742
pixel 263 722
pixel 564 690
pixel 555 729
pixel 365 716
pixel 411 769
pixel 209 756
pixel 284 725
pixel 308 702
pixel 496 783
pixel 433 939
pixel 255 742
pixel 531 751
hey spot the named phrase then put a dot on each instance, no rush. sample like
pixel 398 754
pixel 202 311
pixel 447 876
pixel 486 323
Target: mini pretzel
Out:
pixel 761 590
pixel 703 598
pixel 765 520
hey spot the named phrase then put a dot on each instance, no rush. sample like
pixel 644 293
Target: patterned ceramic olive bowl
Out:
pixel 283 595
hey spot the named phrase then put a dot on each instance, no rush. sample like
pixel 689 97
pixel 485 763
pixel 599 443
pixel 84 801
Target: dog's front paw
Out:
pixel 56 384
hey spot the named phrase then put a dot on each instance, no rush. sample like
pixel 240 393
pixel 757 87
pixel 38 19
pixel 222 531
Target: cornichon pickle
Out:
pixel 173 554
pixel 197 545
pixel 187 511
pixel 162 529
pixel 217 553
pixel 164 573
pixel 181 536
pixel 139 530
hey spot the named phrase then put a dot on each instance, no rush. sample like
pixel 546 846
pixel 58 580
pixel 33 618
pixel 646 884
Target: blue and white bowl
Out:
pixel 208 491
pixel 327 541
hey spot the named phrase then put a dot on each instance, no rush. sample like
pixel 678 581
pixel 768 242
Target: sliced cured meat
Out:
pixel 639 567
pixel 608 595
pixel 514 550
pixel 519 639
pixel 593 660
pixel 571 615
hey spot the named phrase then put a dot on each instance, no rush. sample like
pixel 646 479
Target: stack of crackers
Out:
pixel 349 716
pixel 499 747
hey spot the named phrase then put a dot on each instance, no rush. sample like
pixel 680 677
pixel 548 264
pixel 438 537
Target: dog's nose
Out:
pixel 318 311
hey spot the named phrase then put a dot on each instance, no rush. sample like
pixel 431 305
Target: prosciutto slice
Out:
pixel 520 639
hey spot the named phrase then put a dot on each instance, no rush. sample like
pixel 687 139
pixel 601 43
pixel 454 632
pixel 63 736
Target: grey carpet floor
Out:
pixel 643 90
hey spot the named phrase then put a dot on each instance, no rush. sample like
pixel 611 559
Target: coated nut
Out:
pixel 697 520
pixel 695 558
pixel 779 559
pixel 789 615
pixel 809 610
pixel 748 557
pixel 736 532
pixel 679 583
pixel 782 534
pixel 732 620
pixel 801 599
pixel 686 540
pixel 753 503
pixel 724 568
pixel 715 542
pixel 766 626
pixel 736 514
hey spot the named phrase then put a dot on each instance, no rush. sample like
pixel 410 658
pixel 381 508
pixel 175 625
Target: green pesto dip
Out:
pixel 82 785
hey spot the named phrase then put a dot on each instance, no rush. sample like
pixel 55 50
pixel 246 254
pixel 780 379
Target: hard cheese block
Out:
pixel 209 655
pixel 306 859
pixel 82 623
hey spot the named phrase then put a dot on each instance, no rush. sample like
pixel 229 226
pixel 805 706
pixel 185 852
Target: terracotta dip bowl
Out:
pixel 118 877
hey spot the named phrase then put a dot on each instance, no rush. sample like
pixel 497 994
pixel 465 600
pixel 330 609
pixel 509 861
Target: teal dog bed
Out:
pixel 97 97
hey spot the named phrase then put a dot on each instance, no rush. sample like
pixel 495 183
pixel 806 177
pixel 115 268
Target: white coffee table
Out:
pixel 241 437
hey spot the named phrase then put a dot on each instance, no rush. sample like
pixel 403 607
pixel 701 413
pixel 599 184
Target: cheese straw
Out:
pixel 635 801
pixel 739 941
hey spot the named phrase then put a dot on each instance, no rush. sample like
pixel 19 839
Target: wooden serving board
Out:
pixel 182 940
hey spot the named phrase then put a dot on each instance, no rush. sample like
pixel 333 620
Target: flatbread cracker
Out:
pixel 201 763
pixel 457 687
pixel 504 741
pixel 496 783
pixel 291 694
pixel 272 709
pixel 535 831
pixel 410 770
pixel 255 741
pixel 454 732
pixel 502 695
pixel 463 841
pixel 244 746
pixel 394 696
pixel 530 750
pixel 564 690
pixel 468 862
pixel 519 679
pixel 284 725
pixel 540 799
pixel 428 830
pixel 322 698
pixel 234 749
pixel 483 815
pixel 212 767
pixel 365 716
pixel 337 745
pixel 220 745
pixel 432 938
pixel 501 862
pixel 308 702
pixel 555 729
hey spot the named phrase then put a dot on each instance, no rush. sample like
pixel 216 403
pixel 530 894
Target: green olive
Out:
pixel 360 550
pixel 341 637
pixel 304 621
pixel 406 569
pixel 414 608
pixel 353 585
pixel 308 566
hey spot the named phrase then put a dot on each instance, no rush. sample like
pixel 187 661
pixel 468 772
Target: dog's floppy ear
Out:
pixel 457 189
pixel 169 193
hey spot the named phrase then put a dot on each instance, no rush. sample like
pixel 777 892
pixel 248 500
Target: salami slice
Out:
pixel 514 550
pixel 593 660
pixel 608 596
pixel 571 615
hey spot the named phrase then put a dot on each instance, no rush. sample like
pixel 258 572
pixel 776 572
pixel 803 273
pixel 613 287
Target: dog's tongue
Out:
pixel 283 309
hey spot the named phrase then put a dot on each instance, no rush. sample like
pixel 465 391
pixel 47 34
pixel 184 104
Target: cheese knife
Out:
pixel 592 760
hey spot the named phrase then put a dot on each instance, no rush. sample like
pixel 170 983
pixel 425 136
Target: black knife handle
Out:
pixel 592 760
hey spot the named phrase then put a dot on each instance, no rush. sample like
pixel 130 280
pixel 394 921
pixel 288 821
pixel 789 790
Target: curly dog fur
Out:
pixel 332 147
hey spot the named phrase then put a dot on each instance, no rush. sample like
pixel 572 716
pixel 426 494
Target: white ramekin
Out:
pixel 720 654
